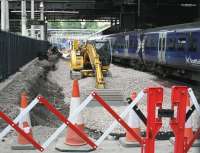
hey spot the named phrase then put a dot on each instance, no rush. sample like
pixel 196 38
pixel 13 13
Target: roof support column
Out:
pixel 7 16
pixel 23 18
pixel 4 15
pixel 139 13
pixel 32 18
pixel 42 32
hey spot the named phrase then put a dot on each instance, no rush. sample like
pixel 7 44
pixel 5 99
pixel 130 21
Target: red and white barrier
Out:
pixel 154 121
pixel 69 122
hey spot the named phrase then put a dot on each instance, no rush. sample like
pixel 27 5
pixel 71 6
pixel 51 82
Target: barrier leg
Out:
pixel 154 102
pixel 179 100
pixel 189 145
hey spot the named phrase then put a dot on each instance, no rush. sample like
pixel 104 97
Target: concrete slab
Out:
pixel 16 146
pixel 108 146
pixel 62 147
pixel 115 147
pixel 129 144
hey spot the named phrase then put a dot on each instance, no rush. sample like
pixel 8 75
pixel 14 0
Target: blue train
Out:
pixel 172 50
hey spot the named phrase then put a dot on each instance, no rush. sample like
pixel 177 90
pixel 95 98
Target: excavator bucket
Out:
pixel 112 96
pixel 75 75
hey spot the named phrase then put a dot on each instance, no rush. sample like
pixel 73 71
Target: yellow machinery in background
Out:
pixel 91 59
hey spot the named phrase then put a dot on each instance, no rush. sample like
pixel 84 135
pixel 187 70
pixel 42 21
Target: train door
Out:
pixel 144 37
pixel 126 45
pixel 162 47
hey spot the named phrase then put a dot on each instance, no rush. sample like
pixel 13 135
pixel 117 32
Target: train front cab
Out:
pixel 126 48
pixel 117 42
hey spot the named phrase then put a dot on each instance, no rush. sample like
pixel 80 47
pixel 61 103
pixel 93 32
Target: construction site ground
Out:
pixel 108 146
pixel 54 83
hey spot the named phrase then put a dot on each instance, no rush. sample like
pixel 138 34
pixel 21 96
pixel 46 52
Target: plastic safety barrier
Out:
pixel 69 122
pixel 155 113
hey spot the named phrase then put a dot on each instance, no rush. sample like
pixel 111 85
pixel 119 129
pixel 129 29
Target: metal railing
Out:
pixel 16 51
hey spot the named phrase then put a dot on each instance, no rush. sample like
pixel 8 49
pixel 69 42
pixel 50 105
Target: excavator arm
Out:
pixel 85 61
pixel 91 53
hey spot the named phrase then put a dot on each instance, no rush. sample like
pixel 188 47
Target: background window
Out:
pixel 150 43
pixel 181 44
pixel 132 45
pixel 193 44
pixel 171 44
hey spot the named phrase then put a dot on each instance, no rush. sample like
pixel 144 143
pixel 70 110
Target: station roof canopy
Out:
pixel 148 12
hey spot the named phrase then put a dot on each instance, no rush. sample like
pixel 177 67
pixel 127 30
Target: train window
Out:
pixel 193 45
pixel 150 44
pixel 181 44
pixel 126 44
pixel 113 45
pixel 171 44
pixel 153 44
pixel 132 45
pixel 121 45
pixel 147 43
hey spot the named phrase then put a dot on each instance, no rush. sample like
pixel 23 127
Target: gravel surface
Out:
pixel 57 85
pixel 126 79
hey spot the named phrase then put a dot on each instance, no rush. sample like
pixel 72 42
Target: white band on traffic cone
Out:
pixel 27 130
pixel 25 118
pixel 133 119
pixel 75 103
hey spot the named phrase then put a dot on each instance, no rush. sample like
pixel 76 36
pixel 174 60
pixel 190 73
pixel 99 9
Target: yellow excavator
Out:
pixel 91 59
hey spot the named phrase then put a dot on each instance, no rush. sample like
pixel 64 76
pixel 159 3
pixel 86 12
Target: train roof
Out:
pixel 194 26
pixel 124 33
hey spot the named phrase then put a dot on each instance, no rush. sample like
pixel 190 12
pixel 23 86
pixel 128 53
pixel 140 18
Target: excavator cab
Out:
pixel 104 51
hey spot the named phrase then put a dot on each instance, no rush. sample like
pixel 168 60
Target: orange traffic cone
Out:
pixel 72 141
pixel 71 137
pixel 188 133
pixel 27 130
pixel 133 122
pixel 25 125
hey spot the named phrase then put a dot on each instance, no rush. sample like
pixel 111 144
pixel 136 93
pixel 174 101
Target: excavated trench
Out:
pixel 33 80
